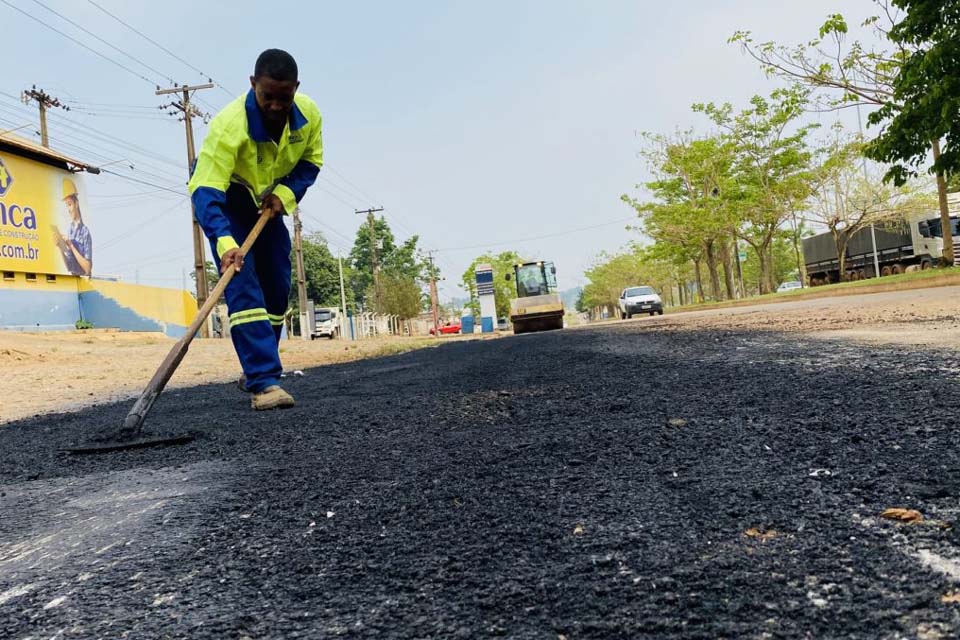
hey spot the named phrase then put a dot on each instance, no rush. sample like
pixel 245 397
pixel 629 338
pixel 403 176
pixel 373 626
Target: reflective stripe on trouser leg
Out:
pixel 250 315
pixel 250 329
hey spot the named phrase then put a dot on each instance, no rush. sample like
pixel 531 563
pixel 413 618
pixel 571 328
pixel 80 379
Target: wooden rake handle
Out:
pixel 133 423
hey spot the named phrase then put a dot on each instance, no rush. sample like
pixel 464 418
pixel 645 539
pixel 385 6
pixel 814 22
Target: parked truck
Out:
pixel 917 241
pixel 326 323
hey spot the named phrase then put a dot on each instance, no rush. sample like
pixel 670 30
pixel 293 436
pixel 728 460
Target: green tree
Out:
pixel 691 208
pixel 925 105
pixel 402 296
pixel 399 260
pixel 632 266
pixel 503 290
pixel 847 198
pixel 771 167
pixel 322 273
pixel 782 264
pixel 213 276
pixel 848 74
pixel 581 305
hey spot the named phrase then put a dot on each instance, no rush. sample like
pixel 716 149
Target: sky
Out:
pixel 507 124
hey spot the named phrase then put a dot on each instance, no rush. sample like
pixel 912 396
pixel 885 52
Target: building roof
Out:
pixel 30 149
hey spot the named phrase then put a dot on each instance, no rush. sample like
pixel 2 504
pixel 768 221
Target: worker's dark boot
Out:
pixel 272 397
pixel 242 383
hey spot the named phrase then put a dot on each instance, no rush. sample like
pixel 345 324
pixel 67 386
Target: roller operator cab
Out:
pixel 538 306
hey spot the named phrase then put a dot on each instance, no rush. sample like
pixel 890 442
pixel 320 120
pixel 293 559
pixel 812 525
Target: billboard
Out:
pixel 42 224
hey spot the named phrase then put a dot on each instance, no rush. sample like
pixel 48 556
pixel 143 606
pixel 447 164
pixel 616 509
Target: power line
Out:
pixel 543 237
pixel 135 194
pixel 364 196
pixel 149 184
pixel 326 226
pixel 114 47
pixel 85 151
pixel 72 39
pixel 123 116
pixel 334 196
pixel 112 105
pixel 333 184
pixel 158 45
pixel 133 230
pixel 100 136
pixel 151 260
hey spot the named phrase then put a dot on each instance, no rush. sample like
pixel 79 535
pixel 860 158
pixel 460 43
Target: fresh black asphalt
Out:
pixel 627 481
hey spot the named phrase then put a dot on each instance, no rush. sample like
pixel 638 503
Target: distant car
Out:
pixel 502 324
pixel 790 286
pixel 449 327
pixel 639 300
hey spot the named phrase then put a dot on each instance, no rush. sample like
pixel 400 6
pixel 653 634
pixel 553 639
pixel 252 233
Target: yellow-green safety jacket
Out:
pixel 239 164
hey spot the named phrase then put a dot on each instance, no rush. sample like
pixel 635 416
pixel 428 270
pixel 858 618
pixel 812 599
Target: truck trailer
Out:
pixel 917 241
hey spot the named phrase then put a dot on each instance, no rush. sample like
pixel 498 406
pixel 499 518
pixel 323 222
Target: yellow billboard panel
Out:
pixel 42 229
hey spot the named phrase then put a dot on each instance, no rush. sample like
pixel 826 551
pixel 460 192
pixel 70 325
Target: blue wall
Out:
pixel 43 304
pixel 38 310
pixel 107 312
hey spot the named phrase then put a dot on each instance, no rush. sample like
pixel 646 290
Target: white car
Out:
pixel 639 300
pixel 789 286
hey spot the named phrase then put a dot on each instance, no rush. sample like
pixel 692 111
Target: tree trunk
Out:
pixel 712 270
pixel 724 252
pixel 944 208
pixel 840 240
pixel 736 257
pixel 801 267
pixel 763 255
pixel 696 265
pixel 771 265
pixel 681 292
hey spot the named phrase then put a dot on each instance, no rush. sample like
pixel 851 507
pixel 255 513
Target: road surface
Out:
pixel 622 481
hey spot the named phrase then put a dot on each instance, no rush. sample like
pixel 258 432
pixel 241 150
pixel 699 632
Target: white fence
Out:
pixel 371 325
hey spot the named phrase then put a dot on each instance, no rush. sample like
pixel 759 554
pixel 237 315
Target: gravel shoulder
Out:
pixel 63 371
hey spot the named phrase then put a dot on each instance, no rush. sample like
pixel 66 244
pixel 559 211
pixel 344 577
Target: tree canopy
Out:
pixel 503 290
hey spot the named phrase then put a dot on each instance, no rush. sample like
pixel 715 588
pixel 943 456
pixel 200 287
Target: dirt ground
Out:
pixel 59 371
pixel 920 317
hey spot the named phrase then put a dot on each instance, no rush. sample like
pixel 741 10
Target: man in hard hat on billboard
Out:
pixel 77 248
pixel 262 150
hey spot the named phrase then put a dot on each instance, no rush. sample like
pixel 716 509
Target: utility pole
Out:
pixel 343 299
pixel 433 295
pixel 45 101
pixel 301 274
pixel 190 111
pixel 873 227
pixel 377 293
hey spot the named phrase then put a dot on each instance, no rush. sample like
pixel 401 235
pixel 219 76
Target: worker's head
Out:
pixel 71 199
pixel 275 83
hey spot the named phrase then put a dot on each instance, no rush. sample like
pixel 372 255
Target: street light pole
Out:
pixel 873 228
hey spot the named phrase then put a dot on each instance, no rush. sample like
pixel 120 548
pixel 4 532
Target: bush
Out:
pixel 83 324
